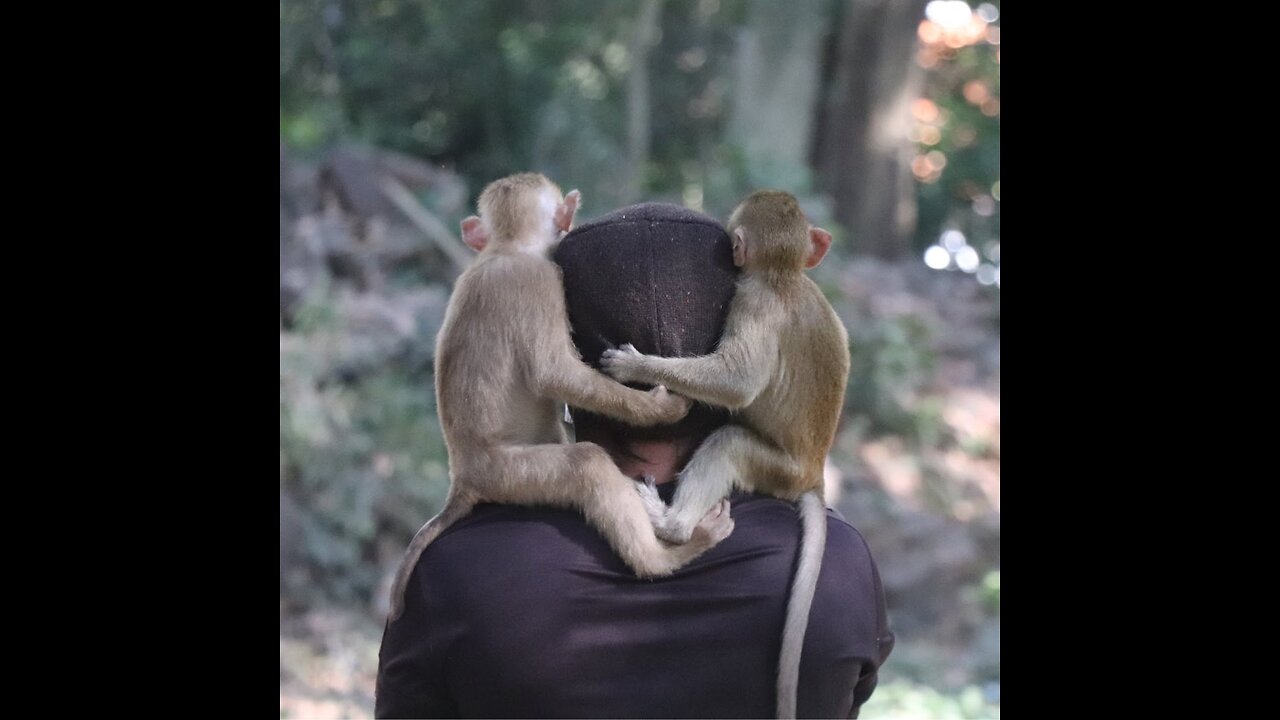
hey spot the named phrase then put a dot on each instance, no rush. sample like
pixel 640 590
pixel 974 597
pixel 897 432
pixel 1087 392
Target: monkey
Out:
pixel 781 368
pixel 505 360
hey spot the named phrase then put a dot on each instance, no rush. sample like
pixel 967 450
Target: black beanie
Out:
pixel 658 276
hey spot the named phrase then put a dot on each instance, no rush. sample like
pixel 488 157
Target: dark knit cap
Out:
pixel 658 276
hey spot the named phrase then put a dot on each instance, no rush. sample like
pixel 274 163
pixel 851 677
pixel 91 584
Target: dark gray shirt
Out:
pixel 527 612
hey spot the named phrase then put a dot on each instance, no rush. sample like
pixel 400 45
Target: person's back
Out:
pixel 527 612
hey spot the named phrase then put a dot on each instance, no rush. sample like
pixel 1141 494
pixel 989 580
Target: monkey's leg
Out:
pixel 583 476
pixel 731 456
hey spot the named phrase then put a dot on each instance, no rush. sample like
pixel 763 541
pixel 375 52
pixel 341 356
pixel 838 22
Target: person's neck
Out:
pixel 659 459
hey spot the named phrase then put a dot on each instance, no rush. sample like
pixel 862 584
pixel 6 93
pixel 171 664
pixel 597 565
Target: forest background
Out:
pixel 883 116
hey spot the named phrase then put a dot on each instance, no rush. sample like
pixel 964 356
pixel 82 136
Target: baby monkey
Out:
pixel 781 367
pixel 505 360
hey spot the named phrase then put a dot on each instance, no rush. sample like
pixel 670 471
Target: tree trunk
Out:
pixel 777 65
pixel 638 103
pixel 862 153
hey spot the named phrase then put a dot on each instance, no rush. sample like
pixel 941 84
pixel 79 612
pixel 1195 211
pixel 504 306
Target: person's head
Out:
pixel 660 277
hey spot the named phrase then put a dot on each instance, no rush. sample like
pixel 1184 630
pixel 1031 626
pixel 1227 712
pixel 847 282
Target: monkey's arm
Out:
pixel 567 378
pixel 731 377
pixel 556 371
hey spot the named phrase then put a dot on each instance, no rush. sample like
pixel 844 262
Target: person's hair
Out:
pixel 657 276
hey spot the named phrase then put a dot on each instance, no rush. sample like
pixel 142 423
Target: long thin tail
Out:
pixel 813 543
pixel 454 509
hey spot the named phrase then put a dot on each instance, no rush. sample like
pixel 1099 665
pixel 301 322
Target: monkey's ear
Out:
pixel 473 233
pixel 820 242
pixel 566 210
pixel 739 240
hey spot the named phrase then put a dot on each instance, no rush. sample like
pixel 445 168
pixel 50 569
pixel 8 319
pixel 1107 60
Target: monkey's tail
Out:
pixel 813 543
pixel 454 509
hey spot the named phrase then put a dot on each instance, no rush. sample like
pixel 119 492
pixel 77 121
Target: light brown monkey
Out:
pixel 781 367
pixel 505 360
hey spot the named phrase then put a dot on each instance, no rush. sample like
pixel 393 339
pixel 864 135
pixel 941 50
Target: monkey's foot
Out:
pixel 715 526
pixel 653 504
pixel 677 527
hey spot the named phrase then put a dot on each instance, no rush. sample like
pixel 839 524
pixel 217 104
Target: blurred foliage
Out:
pixel 902 700
pixel 488 86
pixel 969 139
pixel 364 454
pixel 991 591
pixel 485 87
pixel 894 361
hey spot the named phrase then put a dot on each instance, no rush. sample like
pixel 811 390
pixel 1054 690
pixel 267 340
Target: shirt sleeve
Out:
pixel 884 641
pixel 411 681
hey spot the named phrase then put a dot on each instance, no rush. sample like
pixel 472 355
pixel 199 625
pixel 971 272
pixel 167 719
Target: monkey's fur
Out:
pixel 505 360
pixel 781 367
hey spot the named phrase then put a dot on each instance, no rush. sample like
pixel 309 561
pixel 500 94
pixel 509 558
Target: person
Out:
pixel 527 612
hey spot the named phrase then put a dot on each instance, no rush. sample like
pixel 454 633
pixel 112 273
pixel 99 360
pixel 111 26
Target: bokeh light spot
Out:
pixel 924 110
pixel 937 257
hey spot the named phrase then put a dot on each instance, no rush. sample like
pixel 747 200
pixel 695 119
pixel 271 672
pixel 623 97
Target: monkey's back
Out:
pixel 800 408
pixel 496 317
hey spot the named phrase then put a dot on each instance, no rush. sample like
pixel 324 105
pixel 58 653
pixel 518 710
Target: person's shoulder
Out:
pixel 764 512
pixel 763 521
pixel 844 538
pixel 496 536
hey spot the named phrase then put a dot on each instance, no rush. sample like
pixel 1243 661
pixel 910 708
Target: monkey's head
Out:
pixel 769 232
pixel 525 210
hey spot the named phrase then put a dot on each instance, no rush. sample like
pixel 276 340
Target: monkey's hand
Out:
pixel 674 407
pixel 624 364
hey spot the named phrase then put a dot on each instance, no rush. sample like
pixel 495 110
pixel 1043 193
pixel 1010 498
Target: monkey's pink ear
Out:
pixel 739 240
pixel 566 210
pixel 473 233
pixel 820 242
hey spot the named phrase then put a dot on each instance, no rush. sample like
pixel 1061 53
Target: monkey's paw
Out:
pixel 674 407
pixel 652 502
pixel 623 363
pixel 715 526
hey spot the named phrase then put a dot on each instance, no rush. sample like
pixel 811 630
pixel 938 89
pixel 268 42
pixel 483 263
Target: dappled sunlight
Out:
pixel 968 470
pixel 954 24
pixel 959 48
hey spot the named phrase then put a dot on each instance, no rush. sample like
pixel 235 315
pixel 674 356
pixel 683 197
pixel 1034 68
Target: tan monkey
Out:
pixel 505 360
pixel 781 367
